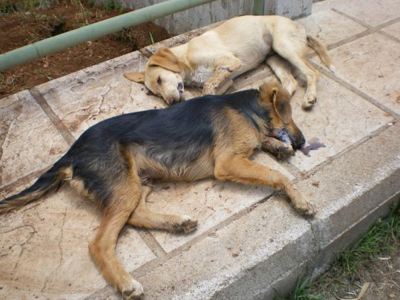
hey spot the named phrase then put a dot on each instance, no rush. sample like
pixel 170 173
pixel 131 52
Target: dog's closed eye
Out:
pixel 159 81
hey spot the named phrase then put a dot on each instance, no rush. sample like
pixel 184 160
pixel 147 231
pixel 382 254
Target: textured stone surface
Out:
pixel 393 30
pixel 330 27
pixel 339 119
pixel 84 98
pixel 370 12
pixel 372 64
pixel 44 249
pixel 29 142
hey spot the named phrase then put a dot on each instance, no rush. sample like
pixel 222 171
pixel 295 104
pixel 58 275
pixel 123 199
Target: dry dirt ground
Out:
pixel 27 21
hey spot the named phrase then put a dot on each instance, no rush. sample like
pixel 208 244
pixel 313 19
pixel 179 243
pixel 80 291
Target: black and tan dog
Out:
pixel 211 136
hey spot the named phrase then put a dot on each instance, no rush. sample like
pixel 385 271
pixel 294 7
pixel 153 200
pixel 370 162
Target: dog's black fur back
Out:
pixel 177 135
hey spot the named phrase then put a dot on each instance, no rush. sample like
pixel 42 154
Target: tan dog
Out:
pixel 217 56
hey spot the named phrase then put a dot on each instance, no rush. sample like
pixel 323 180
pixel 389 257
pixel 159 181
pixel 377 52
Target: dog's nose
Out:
pixel 299 143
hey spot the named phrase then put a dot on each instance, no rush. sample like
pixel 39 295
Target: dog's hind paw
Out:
pixel 135 292
pixel 186 226
pixel 309 102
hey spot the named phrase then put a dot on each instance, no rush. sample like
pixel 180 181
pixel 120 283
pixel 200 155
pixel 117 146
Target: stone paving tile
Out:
pixel 339 119
pixel 210 202
pixel 371 64
pixel 393 30
pixel 44 248
pixel 370 12
pixel 83 99
pixel 28 140
pixel 330 27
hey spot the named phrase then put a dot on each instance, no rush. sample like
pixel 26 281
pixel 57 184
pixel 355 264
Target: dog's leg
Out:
pixel 293 52
pixel 279 149
pixel 126 196
pixel 145 218
pixel 220 80
pixel 240 169
pixel 282 70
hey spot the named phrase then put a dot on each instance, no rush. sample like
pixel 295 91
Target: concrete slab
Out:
pixel 339 119
pixel 393 30
pixel 86 97
pixel 22 121
pixel 369 12
pixel 221 266
pixel 371 64
pixel 330 27
pixel 44 248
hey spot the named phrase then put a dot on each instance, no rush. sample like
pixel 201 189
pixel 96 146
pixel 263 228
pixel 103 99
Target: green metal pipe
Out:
pixel 93 31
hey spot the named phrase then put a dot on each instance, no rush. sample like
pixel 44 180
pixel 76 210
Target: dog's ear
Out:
pixel 281 105
pixel 280 100
pixel 135 76
pixel 164 58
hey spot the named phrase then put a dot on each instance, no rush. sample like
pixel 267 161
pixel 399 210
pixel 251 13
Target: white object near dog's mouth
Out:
pixel 283 136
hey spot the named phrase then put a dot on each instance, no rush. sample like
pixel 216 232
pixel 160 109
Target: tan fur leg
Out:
pixel 310 96
pixel 221 78
pixel 282 70
pixel 145 218
pixel 124 200
pixel 294 52
pixel 241 169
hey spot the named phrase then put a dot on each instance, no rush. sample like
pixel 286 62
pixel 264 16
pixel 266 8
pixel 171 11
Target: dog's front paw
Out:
pixel 133 292
pixel 301 205
pixel 284 151
pixel 305 208
pixel 186 226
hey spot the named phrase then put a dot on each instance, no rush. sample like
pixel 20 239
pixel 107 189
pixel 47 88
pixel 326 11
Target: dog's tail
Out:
pixel 321 51
pixel 49 181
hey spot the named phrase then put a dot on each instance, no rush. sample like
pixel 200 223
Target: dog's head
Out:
pixel 162 76
pixel 277 101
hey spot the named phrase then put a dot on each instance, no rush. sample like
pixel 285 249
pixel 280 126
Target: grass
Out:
pixel 112 5
pixel 382 239
pixel 151 37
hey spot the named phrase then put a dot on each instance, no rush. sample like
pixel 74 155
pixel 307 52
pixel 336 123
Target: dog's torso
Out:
pixel 177 143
